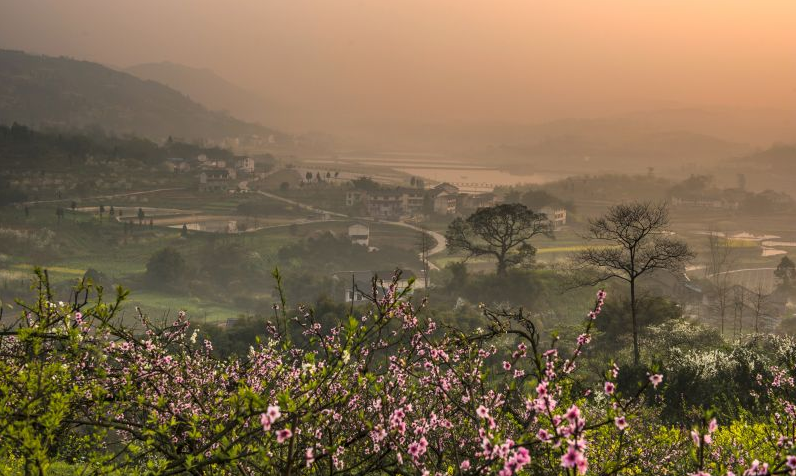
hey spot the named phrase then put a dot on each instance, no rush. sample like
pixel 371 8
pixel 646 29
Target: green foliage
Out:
pixel 365 183
pixel 10 195
pixel 327 252
pixel 262 206
pixel 615 320
pixel 166 267
pixel 536 199
pixel 502 231
pixel 786 273
pixel 39 393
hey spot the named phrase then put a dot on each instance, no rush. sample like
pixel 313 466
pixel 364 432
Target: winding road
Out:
pixel 438 238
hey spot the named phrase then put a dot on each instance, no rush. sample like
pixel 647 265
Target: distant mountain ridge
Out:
pixel 211 89
pixel 44 91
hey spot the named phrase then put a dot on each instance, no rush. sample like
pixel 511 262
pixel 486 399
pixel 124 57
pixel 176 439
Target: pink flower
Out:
pixel 572 414
pixel 790 461
pixel 465 465
pixel 573 458
pixel 506 365
pixel 418 448
pixel 620 422
pixel 283 435
pixel 656 380
pixel 757 469
pixel 713 426
pixel 570 458
pixel 273 412
pixel 265 421
pixel 482 412
pixel 522 456
pixel 609 388
pixel 543 435
pixel 309 456
pixel 601 295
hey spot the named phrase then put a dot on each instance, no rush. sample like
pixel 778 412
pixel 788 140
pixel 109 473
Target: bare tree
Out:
pixel 722 260
pixel 636 232
pixel 502 231
pixel 759 304
pixel 739 303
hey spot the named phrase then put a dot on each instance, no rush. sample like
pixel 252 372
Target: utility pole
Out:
pixel 424 249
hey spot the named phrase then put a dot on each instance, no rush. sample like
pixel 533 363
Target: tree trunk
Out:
pixel 636 356
pixel 501 267
pixel 501 264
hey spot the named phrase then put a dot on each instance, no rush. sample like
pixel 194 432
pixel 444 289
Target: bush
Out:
pixel 166 267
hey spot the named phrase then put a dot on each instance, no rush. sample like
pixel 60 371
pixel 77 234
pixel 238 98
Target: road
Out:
pixel 440 240
pixel 117 195
pixel 438 248
pixel 742 271
pixel 300 205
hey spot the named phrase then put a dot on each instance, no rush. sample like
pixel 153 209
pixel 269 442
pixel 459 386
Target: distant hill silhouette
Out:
pixel 777 157
pixel 44 91
pixel 207 87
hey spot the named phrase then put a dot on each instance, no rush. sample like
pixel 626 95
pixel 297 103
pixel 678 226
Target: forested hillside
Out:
pixel 48 91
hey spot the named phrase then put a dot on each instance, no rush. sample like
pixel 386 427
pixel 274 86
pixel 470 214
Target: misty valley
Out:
pixel 371 241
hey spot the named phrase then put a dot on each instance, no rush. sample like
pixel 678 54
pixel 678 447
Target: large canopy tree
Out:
pixel 786 273
pixel 502 231
pixel 638 243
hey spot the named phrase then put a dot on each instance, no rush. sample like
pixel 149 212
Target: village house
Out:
pixel 391 204
pixel 444 203
pixel 359 234
pixel 245 165
pixel 353 197
pixel 470 202
pixel 214 180
pixel 556 216
pixel 444 198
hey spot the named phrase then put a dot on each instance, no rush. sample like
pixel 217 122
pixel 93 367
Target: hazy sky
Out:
pixel 443 59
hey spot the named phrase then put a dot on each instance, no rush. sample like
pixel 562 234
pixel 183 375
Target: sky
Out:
pixel 437 60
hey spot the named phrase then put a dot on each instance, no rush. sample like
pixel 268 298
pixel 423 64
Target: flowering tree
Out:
pixel 385 391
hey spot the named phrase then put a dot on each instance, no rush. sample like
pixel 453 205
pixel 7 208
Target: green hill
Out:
pixel 44 91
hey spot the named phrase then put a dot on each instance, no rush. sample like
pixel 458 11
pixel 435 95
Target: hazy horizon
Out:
pixel 417 62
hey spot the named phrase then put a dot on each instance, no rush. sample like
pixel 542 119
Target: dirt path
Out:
pixel 117 195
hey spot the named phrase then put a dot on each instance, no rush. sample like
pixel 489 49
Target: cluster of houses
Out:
pixel 219 176
pixel 443 199
pixel 733 199
pixel 394 203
